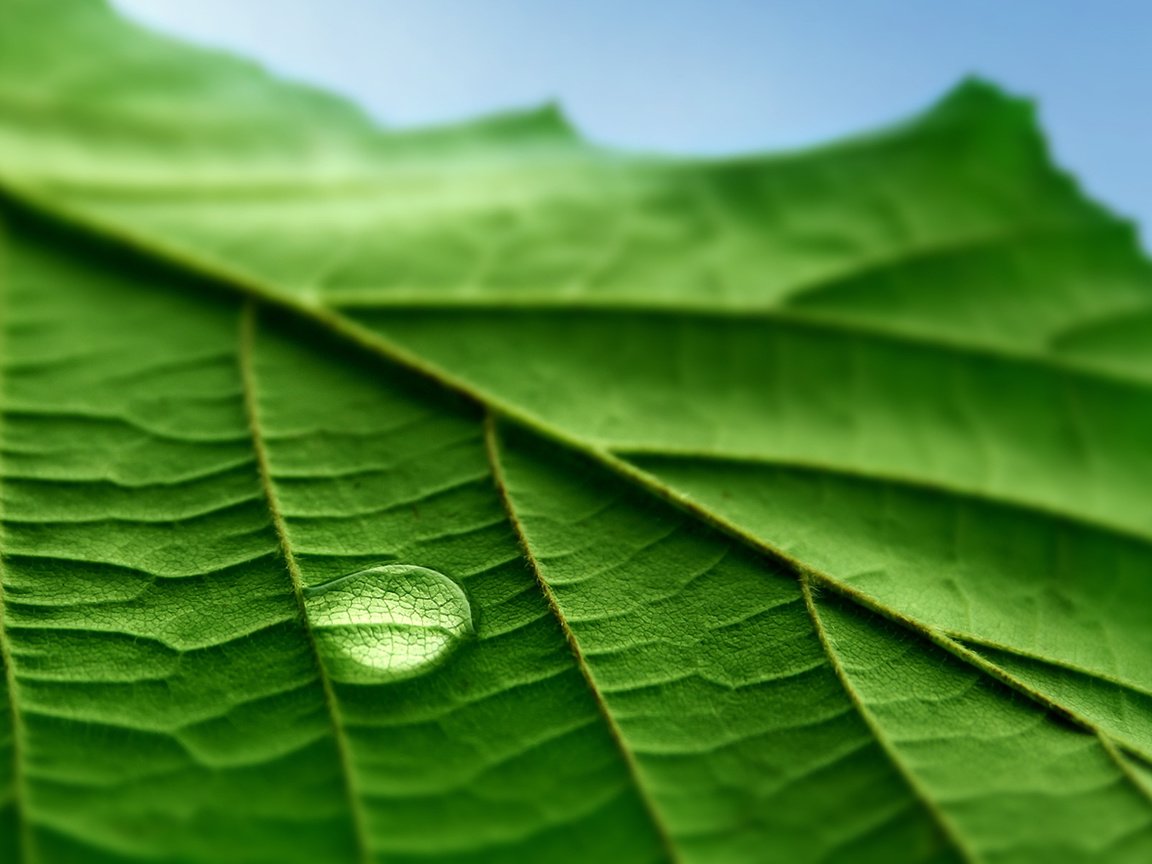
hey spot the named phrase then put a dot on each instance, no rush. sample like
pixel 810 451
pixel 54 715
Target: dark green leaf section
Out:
pixel 170 708
pixel 708 659
pixel 1123 711
pixel 11 825
pixel 1141 772
pixel 1016 784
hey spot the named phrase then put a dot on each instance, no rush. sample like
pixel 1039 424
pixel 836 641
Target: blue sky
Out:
pixel 716 76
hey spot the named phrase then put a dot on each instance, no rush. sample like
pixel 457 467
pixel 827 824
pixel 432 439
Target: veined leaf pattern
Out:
pixel 799 500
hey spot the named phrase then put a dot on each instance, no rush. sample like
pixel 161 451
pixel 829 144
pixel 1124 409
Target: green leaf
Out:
pixel 797 504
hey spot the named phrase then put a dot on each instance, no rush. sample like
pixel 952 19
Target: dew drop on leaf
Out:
pixel 387 623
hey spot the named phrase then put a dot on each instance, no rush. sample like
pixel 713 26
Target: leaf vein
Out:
pixel 247 374
pixel 492 447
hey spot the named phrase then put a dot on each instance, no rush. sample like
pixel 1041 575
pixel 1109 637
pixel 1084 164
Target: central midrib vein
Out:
pixel 332 706
pixel 220 274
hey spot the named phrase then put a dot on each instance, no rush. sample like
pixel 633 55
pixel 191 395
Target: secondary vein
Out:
pixel 492 448
pixel 1112 747
pixel 943 822
pixel 873 476
pixel 340 735
pixel 978 641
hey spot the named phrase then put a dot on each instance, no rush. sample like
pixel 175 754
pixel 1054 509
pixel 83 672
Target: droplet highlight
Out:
pixel 387 623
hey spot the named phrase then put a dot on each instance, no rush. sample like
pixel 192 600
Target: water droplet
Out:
pixel 387 623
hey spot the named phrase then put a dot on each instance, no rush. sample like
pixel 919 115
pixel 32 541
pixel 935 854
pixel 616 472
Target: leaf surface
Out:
pixel 799 501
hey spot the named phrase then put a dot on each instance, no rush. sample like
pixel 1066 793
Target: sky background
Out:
pixel 716 76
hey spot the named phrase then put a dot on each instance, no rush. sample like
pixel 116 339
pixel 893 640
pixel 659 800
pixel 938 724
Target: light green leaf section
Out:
pixel 501 753
pixel 894 393
pixel 284 185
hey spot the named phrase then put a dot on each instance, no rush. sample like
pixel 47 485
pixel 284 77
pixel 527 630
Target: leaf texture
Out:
pixel 800 501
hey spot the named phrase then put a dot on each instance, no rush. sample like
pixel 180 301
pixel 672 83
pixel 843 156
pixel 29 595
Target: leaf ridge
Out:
pixel 247 374
pixel 976 641
pixel 783 314
pixel 492 448
pixel 957 649
pixel 873 476
pixel 942 820
pixel 1116 754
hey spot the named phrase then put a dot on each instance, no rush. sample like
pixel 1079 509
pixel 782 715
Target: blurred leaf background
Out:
pixel 718 77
